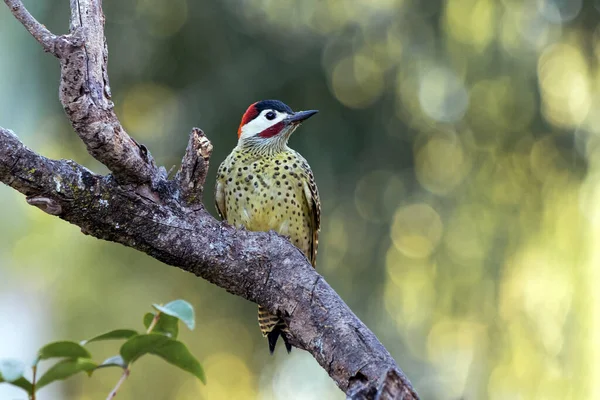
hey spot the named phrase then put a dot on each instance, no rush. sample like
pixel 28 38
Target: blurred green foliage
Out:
pixel 159 339
pixel 455 152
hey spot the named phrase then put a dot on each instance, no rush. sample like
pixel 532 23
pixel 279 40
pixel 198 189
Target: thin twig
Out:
pixel 153 323
pixel 113 392
pixel 46 38
pixel 34 368
pixel 127 371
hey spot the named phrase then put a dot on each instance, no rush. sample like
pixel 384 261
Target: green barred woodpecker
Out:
pixel 264 185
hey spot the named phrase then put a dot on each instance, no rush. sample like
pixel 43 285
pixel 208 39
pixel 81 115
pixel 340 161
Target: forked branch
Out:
pixel 138 206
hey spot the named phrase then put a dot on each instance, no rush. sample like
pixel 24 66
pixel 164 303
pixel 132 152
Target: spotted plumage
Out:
pixel 264 185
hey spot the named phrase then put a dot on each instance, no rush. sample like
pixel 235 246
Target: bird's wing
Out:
pixel 220 193
pixel 314 204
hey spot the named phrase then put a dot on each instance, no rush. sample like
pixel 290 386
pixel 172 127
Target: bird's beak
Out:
pixel 300 116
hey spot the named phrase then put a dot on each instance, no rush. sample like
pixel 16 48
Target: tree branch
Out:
pixel 194 166
pixel 139 207
pixel 85 93
pixel 37 30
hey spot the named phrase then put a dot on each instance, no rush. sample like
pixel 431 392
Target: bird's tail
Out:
pixel 272 327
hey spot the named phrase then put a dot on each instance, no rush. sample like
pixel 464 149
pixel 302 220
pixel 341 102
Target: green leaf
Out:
pixel 11 370
pixel 168 349
pixel 112 335
pixel 64 369
pixel 21 383
pixel 166 325
pixel 179 309
pixel 62 349
pixel 114 361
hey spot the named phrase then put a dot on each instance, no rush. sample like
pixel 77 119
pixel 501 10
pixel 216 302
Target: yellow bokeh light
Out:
pixel 503 384
pixel 442 95
pixel 409 294
pixel 453 346
pixel 357 81
pixel 532 275
pixel 563 76
pixel 231 378
pixel 441 164
pixel 416 230
pixel 471 21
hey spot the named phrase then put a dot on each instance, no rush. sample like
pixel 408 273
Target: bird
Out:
pixel 265 185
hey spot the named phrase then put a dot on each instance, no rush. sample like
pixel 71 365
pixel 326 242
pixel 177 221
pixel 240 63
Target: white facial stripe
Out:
pixel 260 123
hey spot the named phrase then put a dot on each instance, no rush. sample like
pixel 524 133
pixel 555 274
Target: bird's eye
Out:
pixel 270 115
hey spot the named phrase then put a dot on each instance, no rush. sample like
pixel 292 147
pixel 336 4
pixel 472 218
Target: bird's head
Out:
pixel 268 124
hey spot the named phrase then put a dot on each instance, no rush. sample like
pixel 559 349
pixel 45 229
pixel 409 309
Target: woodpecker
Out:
pixel 265 185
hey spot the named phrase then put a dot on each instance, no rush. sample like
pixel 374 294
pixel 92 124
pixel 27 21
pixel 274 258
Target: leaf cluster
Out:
pixel 160 339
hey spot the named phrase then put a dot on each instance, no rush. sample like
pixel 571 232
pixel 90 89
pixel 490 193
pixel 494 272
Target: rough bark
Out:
pixel 138 206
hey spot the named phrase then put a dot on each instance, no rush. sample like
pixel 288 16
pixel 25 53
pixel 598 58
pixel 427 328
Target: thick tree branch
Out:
pixel 236 260
pixel 139 207
pixel 85 93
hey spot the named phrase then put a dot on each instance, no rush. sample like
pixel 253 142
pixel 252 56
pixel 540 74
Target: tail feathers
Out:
pixel 272 327
pixel 272 336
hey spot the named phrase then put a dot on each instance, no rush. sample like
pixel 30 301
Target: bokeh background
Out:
pixel 456 153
